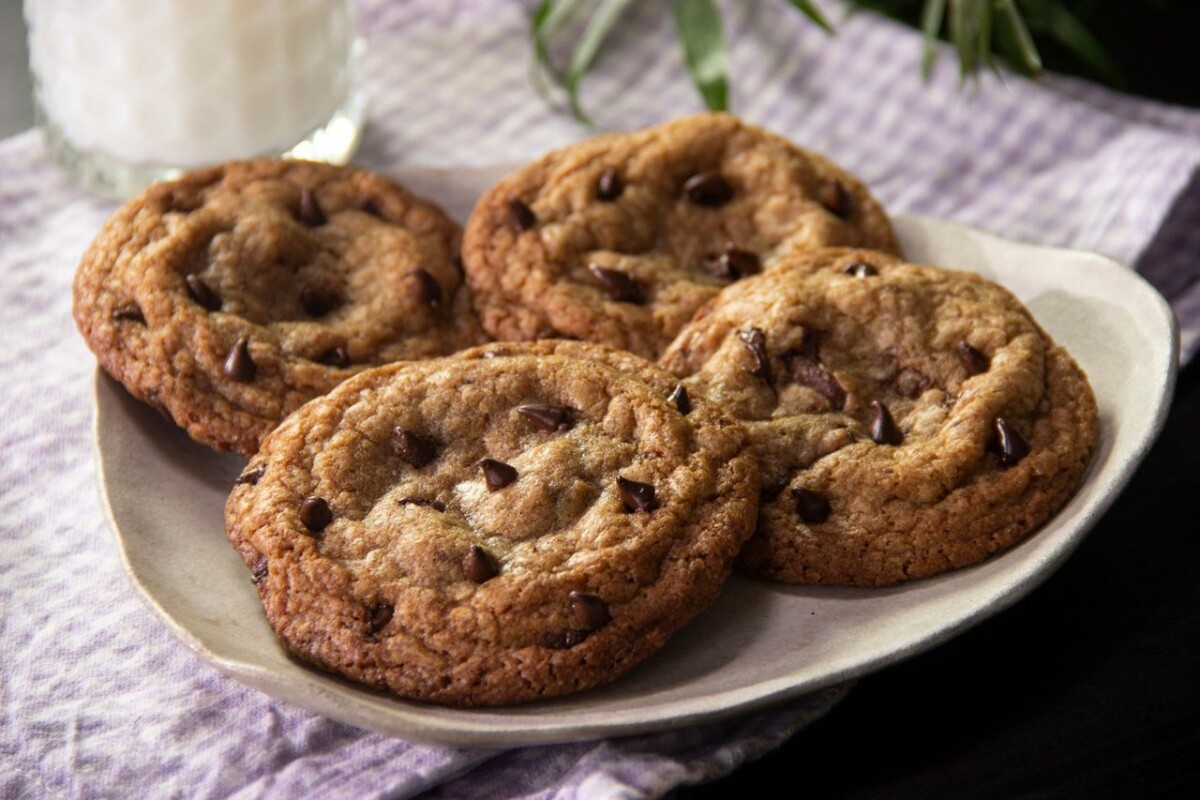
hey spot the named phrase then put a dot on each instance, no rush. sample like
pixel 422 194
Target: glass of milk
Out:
pixel 133 91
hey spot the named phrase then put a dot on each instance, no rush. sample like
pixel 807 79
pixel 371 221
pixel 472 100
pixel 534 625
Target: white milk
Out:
pixel 183 83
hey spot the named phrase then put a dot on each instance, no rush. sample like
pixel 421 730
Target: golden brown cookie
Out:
pixel 907 419
pixel 492 530
pixel 230 297
pixel 621 238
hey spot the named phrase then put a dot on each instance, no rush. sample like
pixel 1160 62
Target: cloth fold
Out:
pixel 95 697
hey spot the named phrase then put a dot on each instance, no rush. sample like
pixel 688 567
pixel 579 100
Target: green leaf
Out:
pixel 598 27
pixel 1028 58
pixel 698 23
pixel 1070 32
pixel 809 10
pixel 547 20
pixel 931 23
pixel 965 21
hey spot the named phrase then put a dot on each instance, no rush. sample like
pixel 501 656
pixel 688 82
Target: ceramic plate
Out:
pixel 760 643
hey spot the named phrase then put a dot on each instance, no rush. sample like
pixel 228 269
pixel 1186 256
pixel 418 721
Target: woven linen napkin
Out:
pixel 97 699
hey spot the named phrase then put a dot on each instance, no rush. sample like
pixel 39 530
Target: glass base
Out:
pixel 333 143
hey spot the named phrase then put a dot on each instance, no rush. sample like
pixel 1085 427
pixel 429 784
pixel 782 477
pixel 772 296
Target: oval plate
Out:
pixel 760 643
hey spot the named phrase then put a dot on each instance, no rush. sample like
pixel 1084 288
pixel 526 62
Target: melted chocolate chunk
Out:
pixel 130 312
pixel 883 427
pixel 378 617
pixel 372 208
pixel 425 288
pixel 708 189
pixel 422 503
pixel 636 496
pixel 478 565
pixel 239 366
pixel 522 216
pixel 202 293
pixel 974 360
pixel 861 269
pixel 681 400
pixel 812 507
pixel 807 371
pixel 756 343
pixel 590 610
pixel 617 285
pixel 609 187
pixel 315 514
pixel 733 263
pixel 319 300
pixel 258 572
pixel 310 210
pixel 1010 446
pixel 336 357
pixel 548 417
pixel 836 199
pixel 497 474
pixel 251 476
pixel 413 449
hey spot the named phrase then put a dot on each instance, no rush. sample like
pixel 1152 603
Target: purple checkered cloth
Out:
pixel 98 700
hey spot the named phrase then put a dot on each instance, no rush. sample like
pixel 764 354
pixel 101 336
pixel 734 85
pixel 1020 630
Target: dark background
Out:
pixel 1089 687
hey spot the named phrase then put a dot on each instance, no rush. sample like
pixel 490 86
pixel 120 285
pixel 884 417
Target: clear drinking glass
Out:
pixel 133 91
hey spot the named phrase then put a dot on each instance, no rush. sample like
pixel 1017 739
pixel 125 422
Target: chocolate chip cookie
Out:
pixel 908 420
pixel 230 297
pixel 492 530
pixel 620 239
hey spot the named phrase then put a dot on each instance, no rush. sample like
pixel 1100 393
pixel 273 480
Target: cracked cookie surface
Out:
pixel 230 297
pixel 907 420
pixel 621 238
pixel 492 530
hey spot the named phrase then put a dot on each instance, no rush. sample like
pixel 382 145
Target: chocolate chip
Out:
pixel 564 640
pixel 812 507
pixel 239 366
pixel 379 617
pixel 807 371
pixel 681 400
pixel 258 572
pixel 1009 444
pixel 131 312
pixel 315 514
pixel 618 285
pixel 523 218
pixel 310 210
pixel 414 450
pixel 773 489
pixel 861 269
pixel 834 196
pixel 590 610
pixel 425 288
pixel 371 207
pixel 636 496
pixel 974 360
pixel 202 293
pixel 319 300
pixel 548 417
pixel 709 189
pixel 478 566
pixel 497 474
pixel 250 477
pixel 336 357
pixel 756 343
pixel 609 187
pixel 422 503
pixel 733 263
pixel 883 427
